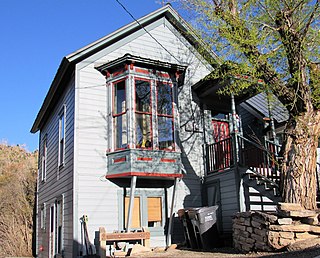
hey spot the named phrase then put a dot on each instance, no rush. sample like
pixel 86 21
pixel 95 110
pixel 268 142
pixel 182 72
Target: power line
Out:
pixel 128 12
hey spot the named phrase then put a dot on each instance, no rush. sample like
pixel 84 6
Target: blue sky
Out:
pixel 35 36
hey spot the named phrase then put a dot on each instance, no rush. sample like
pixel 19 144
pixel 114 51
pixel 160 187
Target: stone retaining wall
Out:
pixel 262 231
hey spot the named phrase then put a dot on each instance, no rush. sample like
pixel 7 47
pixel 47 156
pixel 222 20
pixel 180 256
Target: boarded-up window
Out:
pixel 136 221
pixel 154 212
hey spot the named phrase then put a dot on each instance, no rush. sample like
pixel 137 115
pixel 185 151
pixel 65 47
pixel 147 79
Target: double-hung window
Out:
pixel 62 136
pixel 119 115
pixel 43 216
pixel 165 116
pixel 44 159
pixel 143 113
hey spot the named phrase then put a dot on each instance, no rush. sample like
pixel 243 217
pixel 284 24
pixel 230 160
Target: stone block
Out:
pixel 244 234
pixel 259 219
pixel 250 240
pixel 247 222
pixel 315 229
pixel 247 247
pixel 260 232
pixel 249 229
pixel 267 216
pixel 284 221
pixel 293 228
pixel 289 206
pixel 305 235
pixel 300 245
pixel 240 227
pixel 297 214
pixel 274 240
pixel 286 235
pixel 285 242
pixel 256 224
pixel 242 239
pixel 258 238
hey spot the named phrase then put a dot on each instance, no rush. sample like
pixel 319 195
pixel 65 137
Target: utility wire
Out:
pixel 128 12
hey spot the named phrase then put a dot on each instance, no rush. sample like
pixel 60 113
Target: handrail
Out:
pixel 260 159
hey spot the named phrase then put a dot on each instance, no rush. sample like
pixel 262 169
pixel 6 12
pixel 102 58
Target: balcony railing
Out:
pixel 219 155
pixel 261 159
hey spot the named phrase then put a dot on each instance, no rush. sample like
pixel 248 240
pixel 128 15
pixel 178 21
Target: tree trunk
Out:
pixel 299 181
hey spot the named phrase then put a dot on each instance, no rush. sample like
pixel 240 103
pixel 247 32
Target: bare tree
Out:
pixel 18 170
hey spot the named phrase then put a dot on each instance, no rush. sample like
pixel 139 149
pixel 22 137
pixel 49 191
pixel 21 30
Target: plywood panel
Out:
pixel 136 216
pixel 154 209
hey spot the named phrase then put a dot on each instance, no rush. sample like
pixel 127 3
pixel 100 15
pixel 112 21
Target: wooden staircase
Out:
pixel 260 174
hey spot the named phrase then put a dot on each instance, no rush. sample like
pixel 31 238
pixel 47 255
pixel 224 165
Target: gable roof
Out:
pixel 260 103
pixel 68 63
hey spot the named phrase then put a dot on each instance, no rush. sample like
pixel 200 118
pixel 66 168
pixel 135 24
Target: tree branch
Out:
pixel 306 28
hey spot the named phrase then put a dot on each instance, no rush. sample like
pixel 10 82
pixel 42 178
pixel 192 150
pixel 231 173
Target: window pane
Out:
pixel 154 212
pixel 119 97
pixel 62 126
pixel 164 99
pixel 143 96
pixel 61 137
pixel 165 133
pixel 120 131
pixel 143 131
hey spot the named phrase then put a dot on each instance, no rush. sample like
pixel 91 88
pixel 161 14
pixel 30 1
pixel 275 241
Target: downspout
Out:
pixel 204 145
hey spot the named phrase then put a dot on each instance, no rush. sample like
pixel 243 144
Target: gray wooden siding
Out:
pixel 91 128
pixel 229 203
pixel 53 187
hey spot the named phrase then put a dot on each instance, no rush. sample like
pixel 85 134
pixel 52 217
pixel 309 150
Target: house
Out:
pixel 127 139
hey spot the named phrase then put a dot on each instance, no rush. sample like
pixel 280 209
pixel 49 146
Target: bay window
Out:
pixel 140 103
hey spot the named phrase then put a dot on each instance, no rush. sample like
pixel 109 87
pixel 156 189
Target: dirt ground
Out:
pixel 229 252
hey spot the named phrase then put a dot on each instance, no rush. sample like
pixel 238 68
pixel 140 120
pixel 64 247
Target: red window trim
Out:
pixel 144 159
pixel 114 115
pixel 119 160
pixel 168 160
pixel 142 70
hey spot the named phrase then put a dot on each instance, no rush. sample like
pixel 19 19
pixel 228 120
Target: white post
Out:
pixel 168 242
pixel 131 203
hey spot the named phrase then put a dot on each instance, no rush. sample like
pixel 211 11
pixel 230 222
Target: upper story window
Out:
pixel 165 116
pixel 119 115
pixel 141 103
pixel 44 159
pixel 143 113
pixel 62 136
pixel 43 216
